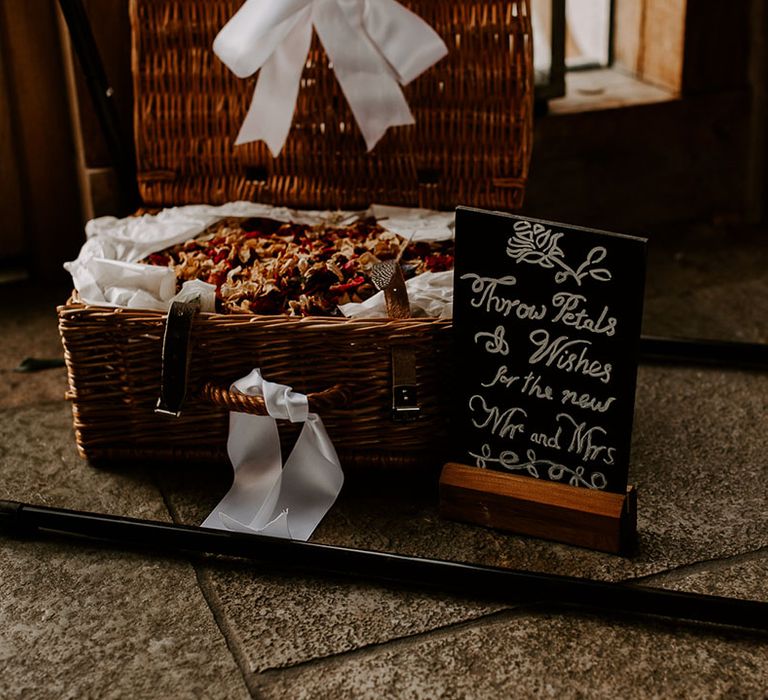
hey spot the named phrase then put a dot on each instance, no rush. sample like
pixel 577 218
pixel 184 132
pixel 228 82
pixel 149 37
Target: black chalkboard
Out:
pixel 546 329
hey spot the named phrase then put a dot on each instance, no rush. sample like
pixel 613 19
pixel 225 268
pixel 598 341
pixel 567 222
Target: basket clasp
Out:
pixel 405 406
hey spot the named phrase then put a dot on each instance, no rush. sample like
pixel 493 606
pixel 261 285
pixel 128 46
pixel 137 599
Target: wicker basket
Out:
pixel 114 359
pixel 470 145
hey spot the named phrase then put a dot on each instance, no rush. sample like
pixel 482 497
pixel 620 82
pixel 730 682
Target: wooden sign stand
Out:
pixel 574 515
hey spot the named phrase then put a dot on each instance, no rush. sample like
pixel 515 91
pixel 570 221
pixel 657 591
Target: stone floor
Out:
pixel 89 621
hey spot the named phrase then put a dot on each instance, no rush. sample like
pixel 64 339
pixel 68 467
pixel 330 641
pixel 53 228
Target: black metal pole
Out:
pixel 466 579
pixel 103 96
pixel 698 350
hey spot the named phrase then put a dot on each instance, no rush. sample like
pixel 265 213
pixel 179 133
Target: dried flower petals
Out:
pixel 263 266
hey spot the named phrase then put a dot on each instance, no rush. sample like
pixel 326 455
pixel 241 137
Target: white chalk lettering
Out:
pixel 502 378
pixel 551 441
pixel 567 355
pixel 587 401
pixel 568 303
pixel 485 289
pixel 496 344
pixel 585 440
pixel 532 386
pixel 501 423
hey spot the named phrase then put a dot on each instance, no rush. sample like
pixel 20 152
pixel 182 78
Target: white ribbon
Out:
pixel 374 46
pixel 266 497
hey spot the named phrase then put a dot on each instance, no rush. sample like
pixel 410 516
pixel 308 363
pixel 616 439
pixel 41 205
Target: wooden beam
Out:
pixel 663 40
pixel 648 40
pixel 112 32
pixel 13 243
pixel 627 34
pixel 53 222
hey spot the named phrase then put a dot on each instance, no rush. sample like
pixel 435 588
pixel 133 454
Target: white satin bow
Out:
pixel 374 47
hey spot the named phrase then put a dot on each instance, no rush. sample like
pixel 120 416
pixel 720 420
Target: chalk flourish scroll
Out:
pixel 536 244
pixel 510 461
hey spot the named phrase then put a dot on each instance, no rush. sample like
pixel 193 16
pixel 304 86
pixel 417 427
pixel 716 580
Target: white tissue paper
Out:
pixel 107 272
pixel 430 295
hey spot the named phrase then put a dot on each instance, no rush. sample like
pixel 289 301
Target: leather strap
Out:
pixel 176 358
pixel 388 276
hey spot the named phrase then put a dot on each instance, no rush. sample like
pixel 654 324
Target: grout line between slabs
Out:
pixel 677 573
pixel 231 637
pixel 503 615
pixel 509 614
pixel 213 602
pixel 252 679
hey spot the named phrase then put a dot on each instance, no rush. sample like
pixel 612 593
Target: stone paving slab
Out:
pixel 683 260
pixel 544 653
pixel 726 312
pixel 699 459
pixel 23 389
pixel 39 464
pixel 80 622
pixel 704 282
pixel 28 326
pixel 284 620
pixel 85 622
pixel 745 578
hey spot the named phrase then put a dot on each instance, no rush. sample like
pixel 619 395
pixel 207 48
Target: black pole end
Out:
pixel 10 517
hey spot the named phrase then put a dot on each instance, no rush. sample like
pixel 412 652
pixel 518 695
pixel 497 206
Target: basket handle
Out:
pixel 332 398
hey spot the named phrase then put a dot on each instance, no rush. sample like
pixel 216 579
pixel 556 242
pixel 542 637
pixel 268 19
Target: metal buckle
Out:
pixel 405 407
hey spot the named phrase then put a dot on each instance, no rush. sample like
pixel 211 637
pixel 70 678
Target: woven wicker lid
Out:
pixel 470 145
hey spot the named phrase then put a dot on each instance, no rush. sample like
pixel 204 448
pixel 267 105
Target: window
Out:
pixel 601 53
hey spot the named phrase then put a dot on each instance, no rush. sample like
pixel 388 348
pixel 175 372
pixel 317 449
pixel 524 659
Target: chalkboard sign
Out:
pixel 546 329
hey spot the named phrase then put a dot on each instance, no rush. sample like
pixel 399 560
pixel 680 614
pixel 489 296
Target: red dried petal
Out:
pixel 352 284
pixel 439 263
pixel 217 278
